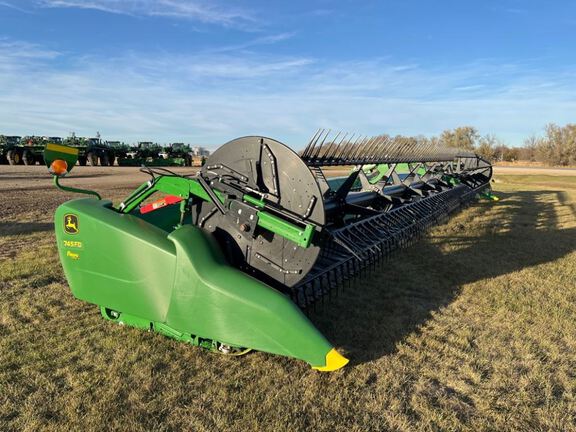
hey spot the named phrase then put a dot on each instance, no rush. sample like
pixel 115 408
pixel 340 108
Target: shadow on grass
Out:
pixel 45 175
pixel 565 201
pixel 15 228
pixel 376 312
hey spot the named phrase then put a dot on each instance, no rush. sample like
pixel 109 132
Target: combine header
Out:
pixel 229 257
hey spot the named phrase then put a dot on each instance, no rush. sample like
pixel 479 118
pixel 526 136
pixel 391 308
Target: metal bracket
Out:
pixel 215 200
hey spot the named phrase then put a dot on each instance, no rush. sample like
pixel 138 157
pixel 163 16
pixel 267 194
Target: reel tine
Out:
pixel 382 150
pixel 390 148
pixel 377 153
pixel 394 149
pixel 358 155
pixel 365 151
pixel 427 150
pixel 374 153
pixel 405 150
pixel 326 134
pixel 326 148
pixel 371 148
pixel 338 147
pixel 345 154
pixel 356 150
pixel 351 148
pixel 312 143
pixel 331 146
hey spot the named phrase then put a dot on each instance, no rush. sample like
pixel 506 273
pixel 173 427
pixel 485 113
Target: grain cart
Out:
pixel 227 259
pixel 9 150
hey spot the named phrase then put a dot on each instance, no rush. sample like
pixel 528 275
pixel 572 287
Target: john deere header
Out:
pixel 227 258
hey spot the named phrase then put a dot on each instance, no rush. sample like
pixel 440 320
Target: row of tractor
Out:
pixel 28 150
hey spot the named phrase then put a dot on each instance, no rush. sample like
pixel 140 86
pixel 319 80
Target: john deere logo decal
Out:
pixel 71 224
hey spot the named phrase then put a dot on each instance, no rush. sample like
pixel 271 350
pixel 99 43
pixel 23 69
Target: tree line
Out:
pixel 556 147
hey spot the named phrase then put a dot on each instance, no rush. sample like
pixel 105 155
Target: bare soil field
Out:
pixel 472 328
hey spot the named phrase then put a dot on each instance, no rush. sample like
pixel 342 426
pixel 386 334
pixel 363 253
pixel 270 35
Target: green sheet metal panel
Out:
pixel 215 300
pixel 115 260
pixel 124 263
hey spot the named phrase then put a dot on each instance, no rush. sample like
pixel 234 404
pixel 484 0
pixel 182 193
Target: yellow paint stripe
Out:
pixel 62 149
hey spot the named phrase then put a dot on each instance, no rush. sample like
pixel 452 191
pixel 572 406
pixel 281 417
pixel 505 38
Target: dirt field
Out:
pixel 473 328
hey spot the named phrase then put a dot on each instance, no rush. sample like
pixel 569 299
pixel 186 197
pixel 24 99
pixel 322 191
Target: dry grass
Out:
pixel 472 328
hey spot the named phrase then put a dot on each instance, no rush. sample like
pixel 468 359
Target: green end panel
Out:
pixel 214 300
pixel 58 151
pixel 115 260
pixel 122 262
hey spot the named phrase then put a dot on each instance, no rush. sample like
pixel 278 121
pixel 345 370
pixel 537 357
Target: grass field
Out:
pixel 472 328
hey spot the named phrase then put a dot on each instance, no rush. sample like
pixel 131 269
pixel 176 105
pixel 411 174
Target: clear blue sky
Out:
pixel 209 71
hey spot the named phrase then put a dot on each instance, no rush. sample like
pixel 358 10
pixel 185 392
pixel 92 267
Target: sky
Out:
pixel 206 72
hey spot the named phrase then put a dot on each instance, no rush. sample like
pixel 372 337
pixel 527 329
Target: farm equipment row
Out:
pixel 16 150
pixel 231 257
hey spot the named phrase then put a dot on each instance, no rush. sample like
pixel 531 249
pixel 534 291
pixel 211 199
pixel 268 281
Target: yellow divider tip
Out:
pixel 61 148
pixel 334 361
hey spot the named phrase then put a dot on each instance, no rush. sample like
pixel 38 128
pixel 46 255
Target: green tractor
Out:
pixel 149 150
pixel 118 150
pixel 32 148
pixel 91 151
pixel 178 154
pixel 9 150
pixel 144 153
pixel 27 150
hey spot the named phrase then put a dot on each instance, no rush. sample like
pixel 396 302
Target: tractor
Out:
pixel 91 151
pixel 9 150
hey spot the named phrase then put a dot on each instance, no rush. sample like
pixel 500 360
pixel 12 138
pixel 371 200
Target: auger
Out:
pixel 230 257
